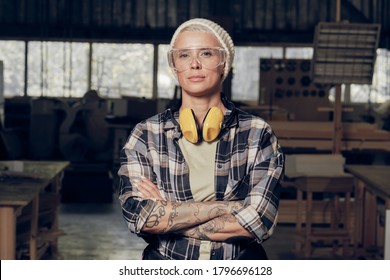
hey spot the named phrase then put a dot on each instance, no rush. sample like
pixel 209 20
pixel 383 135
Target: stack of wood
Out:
pixel 314 165
pixel 319 135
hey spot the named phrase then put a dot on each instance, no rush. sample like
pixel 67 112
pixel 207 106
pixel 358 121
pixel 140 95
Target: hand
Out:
pixel 147 190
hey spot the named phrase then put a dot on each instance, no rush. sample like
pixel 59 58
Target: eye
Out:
pixel 183 55
pixel 207 53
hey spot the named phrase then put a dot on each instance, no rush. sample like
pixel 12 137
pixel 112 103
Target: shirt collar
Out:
pixel 171 116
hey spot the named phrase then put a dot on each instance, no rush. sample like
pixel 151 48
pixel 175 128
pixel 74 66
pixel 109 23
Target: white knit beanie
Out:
pixel 221 34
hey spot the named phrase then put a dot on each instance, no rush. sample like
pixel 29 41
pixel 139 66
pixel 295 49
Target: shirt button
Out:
pixel 219 165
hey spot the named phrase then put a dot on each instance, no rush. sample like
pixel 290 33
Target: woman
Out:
pixel 201 181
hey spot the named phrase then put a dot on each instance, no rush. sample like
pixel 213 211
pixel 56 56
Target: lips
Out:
pixel 196 78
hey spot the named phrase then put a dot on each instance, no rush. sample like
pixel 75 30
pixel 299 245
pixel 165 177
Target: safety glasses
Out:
pixel 209 58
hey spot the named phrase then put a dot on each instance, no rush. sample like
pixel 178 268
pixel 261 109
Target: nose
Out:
pixel 195 63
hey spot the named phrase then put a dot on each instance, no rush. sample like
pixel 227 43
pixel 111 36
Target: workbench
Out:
pixel 321 174
pixel 22 185
pixel 372 185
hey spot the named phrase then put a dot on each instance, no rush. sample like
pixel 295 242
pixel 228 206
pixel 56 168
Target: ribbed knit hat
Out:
pixel 221 34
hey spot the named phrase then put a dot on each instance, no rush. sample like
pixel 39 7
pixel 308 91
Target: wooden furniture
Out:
pixel 25 186
pixel 321 174
pixel 319 135
pixel 338 190
pixel 372 185
pixel 387 236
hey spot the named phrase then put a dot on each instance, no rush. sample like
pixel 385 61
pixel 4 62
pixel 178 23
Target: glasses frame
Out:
pixel 172 64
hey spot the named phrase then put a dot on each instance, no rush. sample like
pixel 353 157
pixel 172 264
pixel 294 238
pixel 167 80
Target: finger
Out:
pixel 148 191
pixel 151 188
pixel 144 190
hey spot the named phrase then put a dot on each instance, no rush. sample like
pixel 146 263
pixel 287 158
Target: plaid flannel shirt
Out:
pixel 248 166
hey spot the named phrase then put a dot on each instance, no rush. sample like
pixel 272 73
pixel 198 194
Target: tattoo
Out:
pixel 179 216
pixel 217 211
pixel 197 233
pixel 204 231
pixel 155 216
pixel 173 214
pixel 179 226
pixel 196 213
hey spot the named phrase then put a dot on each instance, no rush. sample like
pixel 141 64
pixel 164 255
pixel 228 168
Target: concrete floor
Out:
pixel 97 231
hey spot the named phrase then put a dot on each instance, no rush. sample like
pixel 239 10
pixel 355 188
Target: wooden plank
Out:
pixel 303 19
pixel 204 8
pixel 259 13
pixel 161 13
pixel 320 214
pixel 172 12
pixel 280 14
pixel 151 13
pixel 7 233
pixel 127 13
pixel 337 121
pixel 182 10
pixel 269 15
pixel 97 13
pixel 323 130
pixel 314 165
pixel 117 12
pixel 387 235
pixel 194 9
pixel 14 193
pixel 248 14
pixel 140 15
pixel 34 228
pixel 326 145
pixel 376 178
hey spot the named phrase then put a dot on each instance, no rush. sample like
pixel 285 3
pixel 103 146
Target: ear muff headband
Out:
pixel 211 125
pixel 188 125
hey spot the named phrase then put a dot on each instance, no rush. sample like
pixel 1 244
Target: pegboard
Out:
pixel 287 84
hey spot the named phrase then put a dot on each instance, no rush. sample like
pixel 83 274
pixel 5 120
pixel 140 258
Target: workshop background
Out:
pixel 76 76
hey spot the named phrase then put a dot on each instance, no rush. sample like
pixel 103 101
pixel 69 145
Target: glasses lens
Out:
pixel 210 58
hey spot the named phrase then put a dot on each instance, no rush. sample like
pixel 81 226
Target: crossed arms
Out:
pixel 201 220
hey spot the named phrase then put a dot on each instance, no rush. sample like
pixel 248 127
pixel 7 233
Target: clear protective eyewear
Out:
pixel 208 57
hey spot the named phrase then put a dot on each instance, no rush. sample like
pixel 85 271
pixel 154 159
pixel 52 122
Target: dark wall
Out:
pixel 250 21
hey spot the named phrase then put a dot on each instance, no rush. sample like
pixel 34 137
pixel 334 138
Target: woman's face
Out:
pixel 196 79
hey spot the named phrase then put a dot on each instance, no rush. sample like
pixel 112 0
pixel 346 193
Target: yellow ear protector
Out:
pixel 211 125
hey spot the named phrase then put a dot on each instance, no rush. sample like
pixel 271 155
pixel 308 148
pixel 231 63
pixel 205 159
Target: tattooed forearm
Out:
pixel 211 227
pixel 197 233
pixel 219 229
pixel 174 213
pixel 176 216
pixel 154 218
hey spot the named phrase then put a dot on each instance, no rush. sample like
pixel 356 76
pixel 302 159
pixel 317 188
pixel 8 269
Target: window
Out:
pixel 299 53
pixel 246 65
pixel 245 84
pixel 12 55
pixel 61 69
pixel 165 79
pixel 122 69
pixel 57 69
pixel 378 91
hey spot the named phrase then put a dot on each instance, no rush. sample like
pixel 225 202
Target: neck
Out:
pixel 201 105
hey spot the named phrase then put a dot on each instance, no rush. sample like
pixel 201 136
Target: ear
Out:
pixel 223 68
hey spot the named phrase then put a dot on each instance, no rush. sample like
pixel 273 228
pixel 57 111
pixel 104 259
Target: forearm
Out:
pixel 221 228
pixel 176 216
